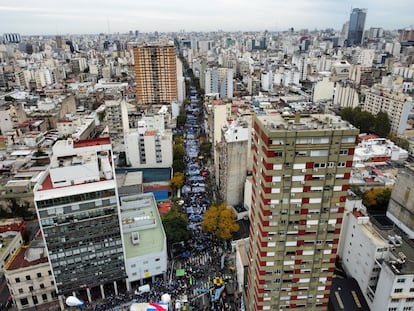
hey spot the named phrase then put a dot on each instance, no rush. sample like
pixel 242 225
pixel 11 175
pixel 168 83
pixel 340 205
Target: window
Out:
pixel 400 280
pixel 407 308
pixel 409 300
pixel 50 272
pixel 39 275
pixel 343 151
pixel 24 301
pixel 17 280
pixel 392 309
pixel 20 290
pixel 35 301
pixel 398 290
pixel 31 288
pixel 42 285
pixel 341 164
pixel 411 290
pixel 395 300
pixel 44 297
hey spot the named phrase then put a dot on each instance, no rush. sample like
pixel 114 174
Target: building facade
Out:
pixel 155 74
pixel 30 279
pixel 398 106
pixel 381 262
pixel 144 238
pixel 356 26
pixel 300 180
pixel 233 167
pixel 77 206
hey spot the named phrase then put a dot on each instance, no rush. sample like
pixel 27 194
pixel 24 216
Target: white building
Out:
pixel 77 206
pixel 29 278
pixel 148 148
pixel 381 261
pixel 144 240
pixel 398 106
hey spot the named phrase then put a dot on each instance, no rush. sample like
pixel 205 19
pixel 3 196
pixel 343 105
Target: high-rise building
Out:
pixel 300 179
pixel 77 206
pixel 155 74
pixel 233 152
pixel 356 26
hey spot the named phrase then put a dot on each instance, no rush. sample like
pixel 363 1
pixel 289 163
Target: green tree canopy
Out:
pixel 178 165
pixel 181 119
pixel 382 125
pixel 205 149
pixel 176 226
pixel 367 122
pixel 221 221
pixel 178 152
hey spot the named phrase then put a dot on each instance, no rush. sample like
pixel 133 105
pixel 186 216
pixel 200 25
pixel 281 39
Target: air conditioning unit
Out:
pixel 315 169
pixel 304 170
pixel 302 182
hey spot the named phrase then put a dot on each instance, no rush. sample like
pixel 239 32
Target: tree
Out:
pixel 376 199
pixel 178 152
pixel 181 119
pixel 220 221
pixel 177 181
pixel 348 114
pixel 205 149
pixel 364 121
pixel 382 124
pixel 175 226
pixel 178 165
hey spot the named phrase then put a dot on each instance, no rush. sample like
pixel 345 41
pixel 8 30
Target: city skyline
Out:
pixel 76 17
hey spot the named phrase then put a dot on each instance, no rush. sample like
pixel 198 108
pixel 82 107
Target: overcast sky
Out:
pixel 52 17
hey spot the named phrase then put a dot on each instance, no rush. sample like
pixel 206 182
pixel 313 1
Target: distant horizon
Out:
pixel 189 32
pixel 47 18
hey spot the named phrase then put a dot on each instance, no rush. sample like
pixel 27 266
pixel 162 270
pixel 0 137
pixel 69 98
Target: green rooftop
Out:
pixel 142 228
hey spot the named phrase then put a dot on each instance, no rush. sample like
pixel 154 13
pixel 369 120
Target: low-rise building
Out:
pixel 30 279
pixel 144 240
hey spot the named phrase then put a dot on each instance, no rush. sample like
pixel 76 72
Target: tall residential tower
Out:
pixel 155 74
pixel 300 180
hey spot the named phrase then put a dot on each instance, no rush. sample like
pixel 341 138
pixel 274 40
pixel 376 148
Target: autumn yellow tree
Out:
pixel 376 199
pixel 177 181
pixel 221 221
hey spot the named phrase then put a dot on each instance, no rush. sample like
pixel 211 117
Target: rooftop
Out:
pixel 141 225
pixel 309 122
pixel 346 295
pixel 27 256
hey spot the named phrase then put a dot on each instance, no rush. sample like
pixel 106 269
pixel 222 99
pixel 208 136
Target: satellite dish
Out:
pixel 73 301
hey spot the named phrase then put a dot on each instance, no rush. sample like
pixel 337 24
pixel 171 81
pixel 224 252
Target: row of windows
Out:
pixel 28 277
pixel 76 198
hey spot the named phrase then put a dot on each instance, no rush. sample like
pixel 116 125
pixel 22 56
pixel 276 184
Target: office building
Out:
pixel 155 74
pixel 301 171
pixel 77 206
pixel 356 26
